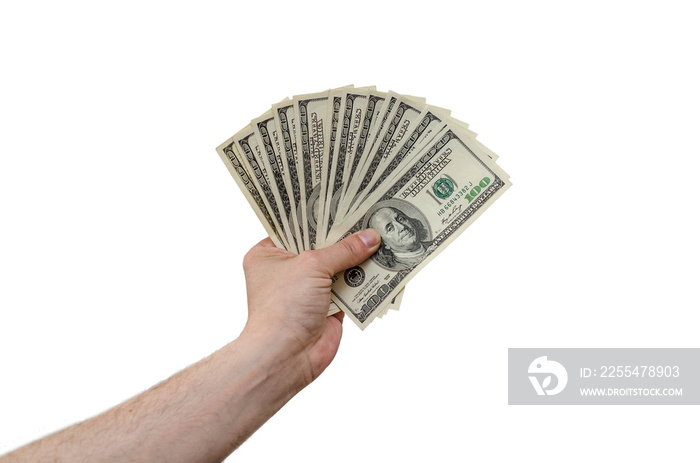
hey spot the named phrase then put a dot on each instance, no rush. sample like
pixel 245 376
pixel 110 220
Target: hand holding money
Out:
pixel 323 166
pixel 288 296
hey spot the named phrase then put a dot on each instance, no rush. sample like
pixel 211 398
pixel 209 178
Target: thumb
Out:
pixel 350 251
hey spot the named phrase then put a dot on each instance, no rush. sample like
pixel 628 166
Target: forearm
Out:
pixel 204 412
pixel 201 414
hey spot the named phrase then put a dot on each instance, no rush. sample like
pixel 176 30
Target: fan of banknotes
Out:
pixel 319 167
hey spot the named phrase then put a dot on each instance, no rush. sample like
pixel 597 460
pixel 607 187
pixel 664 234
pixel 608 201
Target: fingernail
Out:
pixel 369 237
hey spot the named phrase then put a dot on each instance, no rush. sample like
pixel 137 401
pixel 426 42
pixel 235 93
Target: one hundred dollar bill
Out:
pixel 400 111
pixel 285 124
pixel 353 103
pixel 445 188
pixel 311 140
pixel 375 101
pixel 333 114
pixel 247 145
pixel 232 160
pixel 418 132
pixel 283 177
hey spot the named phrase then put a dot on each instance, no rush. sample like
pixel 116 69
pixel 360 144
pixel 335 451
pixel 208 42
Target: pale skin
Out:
pixel 206 411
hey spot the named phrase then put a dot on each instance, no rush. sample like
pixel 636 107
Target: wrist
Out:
pixel 280 359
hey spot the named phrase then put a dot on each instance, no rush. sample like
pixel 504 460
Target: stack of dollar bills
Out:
pixel 319 167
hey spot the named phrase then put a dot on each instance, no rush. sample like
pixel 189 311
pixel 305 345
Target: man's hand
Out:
pixel 289 296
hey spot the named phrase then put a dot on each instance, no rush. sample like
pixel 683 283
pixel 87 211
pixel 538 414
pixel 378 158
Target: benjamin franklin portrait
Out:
pixel 405 234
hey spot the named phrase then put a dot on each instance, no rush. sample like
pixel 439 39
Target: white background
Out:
pixel 122 233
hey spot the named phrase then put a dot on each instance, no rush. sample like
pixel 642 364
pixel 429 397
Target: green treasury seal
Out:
pixel 443 188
